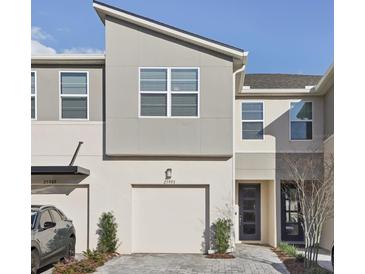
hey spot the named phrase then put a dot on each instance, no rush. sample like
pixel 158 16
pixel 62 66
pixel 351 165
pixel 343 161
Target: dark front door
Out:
pixel 291 225
pixel 249 218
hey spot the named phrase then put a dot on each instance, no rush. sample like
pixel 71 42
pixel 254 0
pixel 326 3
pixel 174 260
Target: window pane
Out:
pixel 249 228
pixel 32 107
pixel 252 111
pixel 292 229
pixel 301 111
pixel 74 107
pixel 249 204
pixel 249 217
pixel 249 192
pixel 56 216
pixel 184 80
pixel 184 105
pixel 252 130
pixel 153 104
pixel 73 83
pixel 153 80
pixel 301 130
pixel 45 217
pixel 33 83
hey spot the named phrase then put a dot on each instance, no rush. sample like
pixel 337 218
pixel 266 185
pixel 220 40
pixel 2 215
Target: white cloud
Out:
pixel 39 35
pixel 40 49
pixel 40 38
pixel 82 50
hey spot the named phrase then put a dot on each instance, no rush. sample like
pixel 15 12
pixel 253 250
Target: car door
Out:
pixel 45 236
pixel 61 230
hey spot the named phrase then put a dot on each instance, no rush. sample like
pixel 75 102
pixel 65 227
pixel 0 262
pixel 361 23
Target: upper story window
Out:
pixel 33 96
pixel 252 120
pixel 169 92
pixel 74 90
pixel 301 120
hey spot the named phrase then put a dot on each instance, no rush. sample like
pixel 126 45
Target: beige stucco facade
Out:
pixel 111 181
pixel 128 155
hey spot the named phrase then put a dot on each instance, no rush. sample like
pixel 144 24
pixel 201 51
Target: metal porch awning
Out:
pixel 57 179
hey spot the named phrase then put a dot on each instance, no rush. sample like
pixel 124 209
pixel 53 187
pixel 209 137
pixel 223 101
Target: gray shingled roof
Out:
pixel 267 81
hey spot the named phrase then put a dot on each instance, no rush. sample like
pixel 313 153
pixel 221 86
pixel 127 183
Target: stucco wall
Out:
pixel 48 90
pixel 129 47
pixel 111 180
pixel 276 127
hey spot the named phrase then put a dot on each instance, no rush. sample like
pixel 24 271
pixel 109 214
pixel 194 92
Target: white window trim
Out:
pixel 34 95
pixel 304 101
pixel 263 120
pixel 73 95
pixel 168 92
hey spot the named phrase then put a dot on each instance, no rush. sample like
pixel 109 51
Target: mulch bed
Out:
pixel 291 263
pixel 296 267
pixel 220 256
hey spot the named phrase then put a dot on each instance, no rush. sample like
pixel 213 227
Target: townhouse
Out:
pixel 174 135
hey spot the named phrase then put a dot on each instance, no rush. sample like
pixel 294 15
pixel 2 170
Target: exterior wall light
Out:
pixel 168 174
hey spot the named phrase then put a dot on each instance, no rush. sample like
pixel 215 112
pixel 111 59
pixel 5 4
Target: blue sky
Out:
pixel 282 36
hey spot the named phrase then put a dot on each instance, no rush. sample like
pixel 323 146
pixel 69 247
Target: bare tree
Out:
pixel 313 179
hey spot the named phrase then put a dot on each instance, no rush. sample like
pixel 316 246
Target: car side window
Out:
pixel 45 217
pixel 56 216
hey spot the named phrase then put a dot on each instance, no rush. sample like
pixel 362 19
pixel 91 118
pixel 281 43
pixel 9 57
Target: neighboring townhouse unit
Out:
pixel 175 135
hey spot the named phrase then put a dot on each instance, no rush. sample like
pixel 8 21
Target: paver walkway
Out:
pixel 250 259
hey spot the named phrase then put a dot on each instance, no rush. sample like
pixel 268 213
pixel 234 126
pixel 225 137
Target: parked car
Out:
pixel 53 236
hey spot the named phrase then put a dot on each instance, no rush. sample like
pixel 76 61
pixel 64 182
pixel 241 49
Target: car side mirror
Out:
pixel 49 225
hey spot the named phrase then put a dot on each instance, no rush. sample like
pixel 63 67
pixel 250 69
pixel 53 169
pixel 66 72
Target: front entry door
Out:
pixel 291 224
pixel 249 218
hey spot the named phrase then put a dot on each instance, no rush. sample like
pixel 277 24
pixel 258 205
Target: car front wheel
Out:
pixel 35 262
pixel 71 248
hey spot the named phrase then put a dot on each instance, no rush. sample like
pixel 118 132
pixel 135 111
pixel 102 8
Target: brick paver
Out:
pixel 250 259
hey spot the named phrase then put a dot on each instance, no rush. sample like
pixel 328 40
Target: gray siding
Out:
pixel 48 91
pixel 129 47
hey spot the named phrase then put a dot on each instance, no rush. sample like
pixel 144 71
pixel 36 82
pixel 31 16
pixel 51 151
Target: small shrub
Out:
pixel 95 255
pixel 107 231
pixel 222 234
pixel 289 250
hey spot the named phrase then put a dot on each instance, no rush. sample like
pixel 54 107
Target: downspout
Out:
pixel 235 208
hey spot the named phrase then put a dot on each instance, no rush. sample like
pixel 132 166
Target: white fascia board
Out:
pixel 247 92
pixel 104 11
pixel 328 78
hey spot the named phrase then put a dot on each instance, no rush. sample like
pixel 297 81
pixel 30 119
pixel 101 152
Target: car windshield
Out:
pixel 33 215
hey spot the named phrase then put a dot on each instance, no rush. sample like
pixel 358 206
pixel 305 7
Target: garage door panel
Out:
pixel 75 208
pixel 168 219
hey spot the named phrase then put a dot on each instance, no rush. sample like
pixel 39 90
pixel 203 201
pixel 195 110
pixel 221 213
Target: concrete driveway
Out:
pixel 249 259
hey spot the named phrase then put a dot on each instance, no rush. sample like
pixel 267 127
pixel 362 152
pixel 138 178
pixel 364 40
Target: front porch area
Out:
pixel 255 212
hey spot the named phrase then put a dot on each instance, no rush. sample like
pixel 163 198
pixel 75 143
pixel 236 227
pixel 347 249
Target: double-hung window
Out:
pixel 169 92
pixel 301 120
pixel 33 98
pixel 252 120
pixel 74 92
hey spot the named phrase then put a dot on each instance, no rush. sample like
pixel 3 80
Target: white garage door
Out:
pixel 75 208
pixel 168 219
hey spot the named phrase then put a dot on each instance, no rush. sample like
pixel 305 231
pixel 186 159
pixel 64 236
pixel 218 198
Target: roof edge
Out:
pixel 103 9
pixel 68 59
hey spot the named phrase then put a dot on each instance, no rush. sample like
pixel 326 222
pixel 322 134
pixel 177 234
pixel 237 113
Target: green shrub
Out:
pixel 222 234
pixel 107 231
pixel 95 255
pixel 288 249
